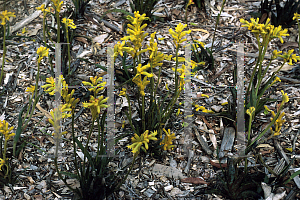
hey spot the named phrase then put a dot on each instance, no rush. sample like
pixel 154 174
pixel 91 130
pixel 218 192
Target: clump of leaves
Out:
pixel 144 6
pixel 281 15
pixel 235 184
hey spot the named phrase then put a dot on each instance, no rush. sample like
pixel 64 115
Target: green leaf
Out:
pixel 19 129
pixel 87 154
pixel 71 175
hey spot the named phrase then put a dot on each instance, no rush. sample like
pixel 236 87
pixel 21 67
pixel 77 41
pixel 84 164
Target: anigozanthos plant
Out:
pixel 45 12
pixel 68 23
pixel 57 4
pixel 167 142
pixel 4 163
pixel 138 141
pixel 158 112
pixel 4 16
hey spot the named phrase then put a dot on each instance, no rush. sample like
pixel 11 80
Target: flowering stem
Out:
pixel 298 34
pixel 129 117
pixel 266 129
pixel 87 144
pixel 58 26
pixel 217 22
pixel 143 114
pixel 4 52
pixel 176 66
pixel 74 143
pixel 69 56
pixel 260 77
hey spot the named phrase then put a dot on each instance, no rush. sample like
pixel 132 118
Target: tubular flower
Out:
pixel 276 54
pixel 4 15
pixel 167 141
pixel 96 84
pixel 43 9
pixel 196 46
pixel 251 111
pixel 5 130
pixel 138 141
pixel 204 95
pixel 51 85
pixel 95 105
pixel 296 16
pixel 57 4
pixel 142 70
pixel 68 23
pixel 182 76
pixel 141 84
pixel 278 124
pixel 156 57
pixel 57 116
pixel 290 57
pixel 2 162
pixel 42 52
pixel 123 92
pixel 190 3
pixel 136 34
pixel 30 89
pixel 119 48
pixel 267 31
pixel 178 34
pixel 285 97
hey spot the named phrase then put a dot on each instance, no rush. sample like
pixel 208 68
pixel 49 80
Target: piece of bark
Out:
pixel 227 142
pixel 27 20
pixel 202 142
pixel 193 180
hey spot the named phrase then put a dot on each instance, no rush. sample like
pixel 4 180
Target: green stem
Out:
pixel 143 114
pixel 74 143
pixel 217 22
pixel 130 114
pixel 87 144
pixel 58 26
pixel 176 66
pixel 4 52
pixel 298 34
pixel 69 55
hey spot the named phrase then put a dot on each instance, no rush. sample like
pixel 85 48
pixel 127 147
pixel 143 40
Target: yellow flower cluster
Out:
pixel 267 31
pixel 136 34
pixel 57 4
pixel 96 85
pixel 95 105
pixel 156 57
pixel 5 130
pixel 57 116
pixel 178 34
pixel 251 111
pixel 4 15
pixel 30 89
pixel 138 141
pixel 296 16
pixel 68 23
pixel 42 52
pixel 138 78
pixel 123 92
pixel 202 108
pixel 288 56
pixel 43 9
pixel 2 162
pixel 168 140
pixel 278 123
pixel 50 89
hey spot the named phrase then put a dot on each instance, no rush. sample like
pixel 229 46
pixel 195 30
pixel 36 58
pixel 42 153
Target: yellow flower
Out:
pixel 225 103
pixel 4 15
pixel 30 89
pixel 118 49
pixel 42 52
pixel 204 95
pixel 167 141
pixel 251 111
pixel 190 3
pixel 96 84
pixel 156 57
pixel 285 97
pixel 141 84
pixel 138 141
pixel 275 54
pixel 136 34
pixel 296 16
pixel 42 8
pixel 178 34
pixel 123 92
pixel 24 30
pixel 5 130
pixel 290 57
pixel 142 70
pixel 2 162
pixel 278 124
pixel 57 4
pixel 68 23
pixel 95 105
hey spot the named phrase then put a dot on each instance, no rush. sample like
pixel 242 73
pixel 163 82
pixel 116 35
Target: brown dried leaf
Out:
pixel 81 39
pixel 193 180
